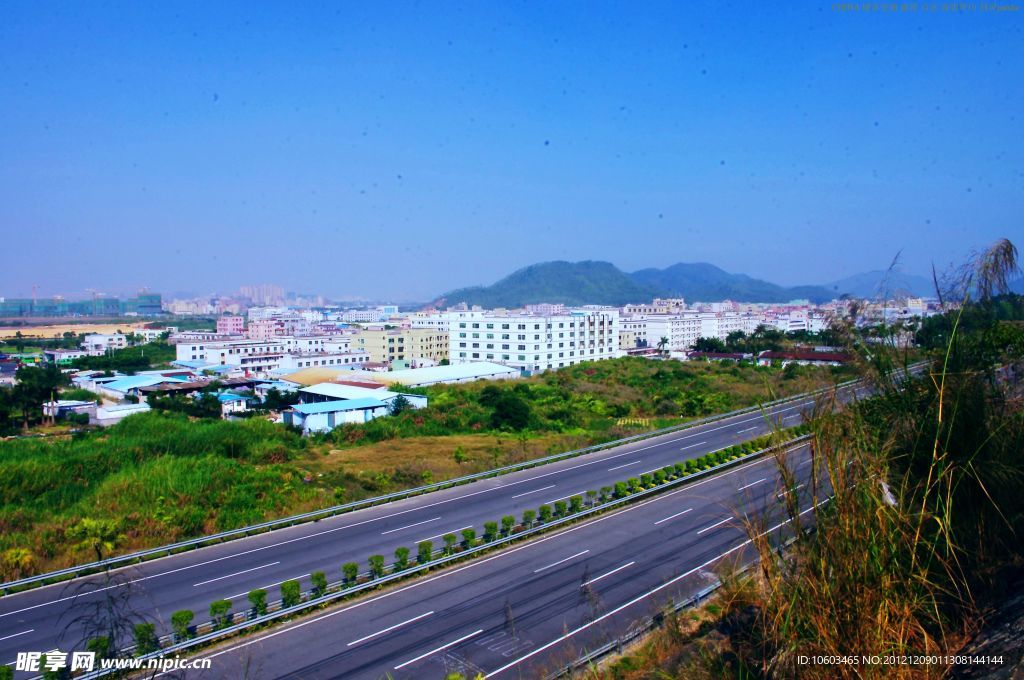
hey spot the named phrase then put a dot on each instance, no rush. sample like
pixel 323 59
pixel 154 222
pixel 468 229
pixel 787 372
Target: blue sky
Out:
pixel 403 149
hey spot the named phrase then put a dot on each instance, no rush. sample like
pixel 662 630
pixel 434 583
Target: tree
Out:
pixel 319 580
pixel 510 412
pixel 181 621
pixel 424 552
pixel 350 573
pixel 401 559
pixel 529 517
pixel 490 531
pixel 459 455
pixel 145 639
pixel 258 600
pixel 468 538
pixel 275 400
pixel 16 563
pixel 449 543
pixel 376 563
pixel 101 647
pixel 220 613
pixel 575 504
pixel 291 594
pixel 709 345
pixel 560 508
pixel 507 523
pixel 545 513
pixel 98 535
pixel 399 404
pixel 663 345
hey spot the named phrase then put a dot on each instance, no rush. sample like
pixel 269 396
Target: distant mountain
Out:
pixel 569 283
pixel 877 283
pixel 704 282
pixel 602 283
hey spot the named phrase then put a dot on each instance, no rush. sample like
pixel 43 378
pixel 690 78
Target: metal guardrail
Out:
pixel 330 597
pixel 201 541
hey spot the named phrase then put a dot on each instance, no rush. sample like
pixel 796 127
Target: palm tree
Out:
pixel 663 345
pixel 99 535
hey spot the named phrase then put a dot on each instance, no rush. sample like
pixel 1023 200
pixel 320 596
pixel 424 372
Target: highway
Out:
pixel 523 612
pixel 59 616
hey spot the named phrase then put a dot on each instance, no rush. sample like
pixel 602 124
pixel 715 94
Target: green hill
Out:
pixel 699 281
pixel 602 283
pixel 570 283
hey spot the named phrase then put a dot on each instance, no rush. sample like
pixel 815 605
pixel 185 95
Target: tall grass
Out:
pixel 925 508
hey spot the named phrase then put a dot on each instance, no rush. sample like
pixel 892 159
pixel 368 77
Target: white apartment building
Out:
pixel 285 352
pixel 682 330
pixel 533 343
pixel 101 342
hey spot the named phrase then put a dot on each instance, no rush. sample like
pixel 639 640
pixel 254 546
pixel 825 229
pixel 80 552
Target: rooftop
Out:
pixel 338 406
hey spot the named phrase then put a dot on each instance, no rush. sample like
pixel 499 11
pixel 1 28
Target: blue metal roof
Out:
pixel 338 406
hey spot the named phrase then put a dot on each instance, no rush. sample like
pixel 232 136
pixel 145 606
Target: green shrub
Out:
pixel 545 513
pixel 560 508
pixel 291 593
pixel 181 622
pixel 424 552
pixel 401 559
pixel 145 638
pixel 529 516
pixel 376 563
pixel 350 573
pixel 490 531
pixel 258 600
pixel 468 538
pixel 507 523
pixel 575 504
pixel 220 613
pixel 319 581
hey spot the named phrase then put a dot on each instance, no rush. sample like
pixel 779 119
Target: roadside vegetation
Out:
pixel 162 477
pixel 924 531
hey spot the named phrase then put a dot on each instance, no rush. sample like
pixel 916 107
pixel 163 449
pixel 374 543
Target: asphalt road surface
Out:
pixel 523 612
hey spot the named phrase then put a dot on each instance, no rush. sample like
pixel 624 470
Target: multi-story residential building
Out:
pixel 264 329
pixel 658 306
pixel 681 331
pixel 286 352
pixel 230 324
pixel 534 343
pixel 101 342
pixel 546 309
pixel 426 345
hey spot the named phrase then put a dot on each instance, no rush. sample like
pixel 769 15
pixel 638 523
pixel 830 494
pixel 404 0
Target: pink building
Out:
pixel 265 329
pixel 234 325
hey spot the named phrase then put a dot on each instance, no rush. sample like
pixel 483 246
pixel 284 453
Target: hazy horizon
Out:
pixel 398 152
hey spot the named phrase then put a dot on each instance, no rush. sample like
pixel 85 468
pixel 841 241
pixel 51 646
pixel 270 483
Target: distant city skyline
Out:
pixel 398 151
